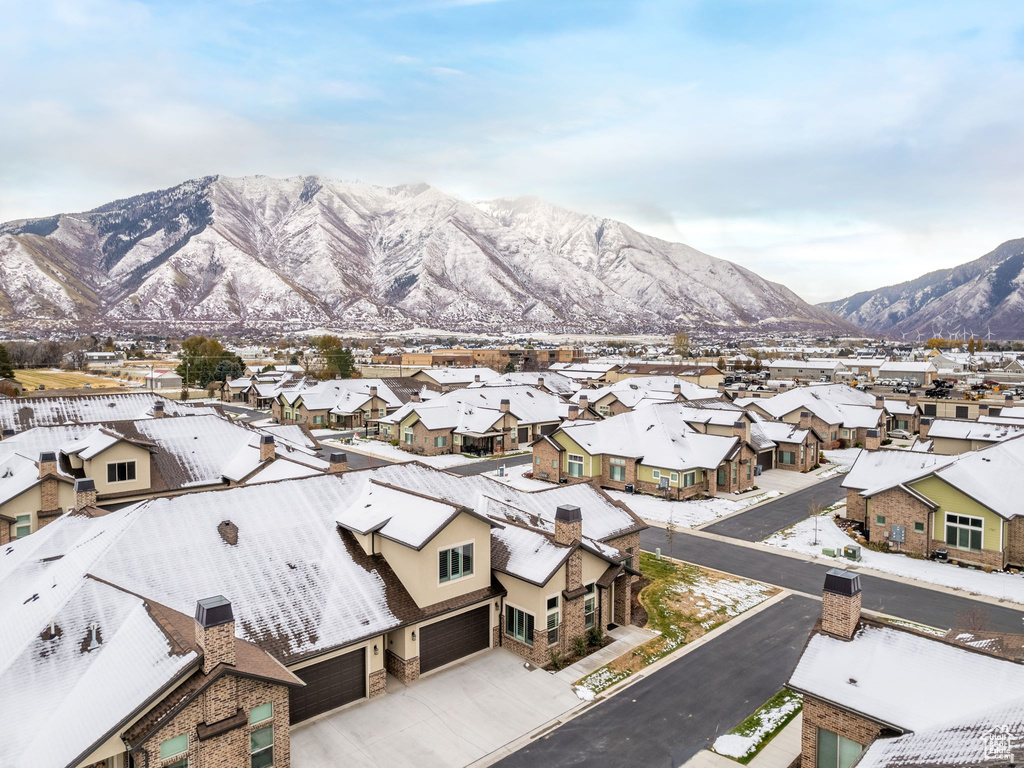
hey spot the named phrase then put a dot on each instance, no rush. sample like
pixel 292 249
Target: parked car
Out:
pixel 900 434
pixel 903 389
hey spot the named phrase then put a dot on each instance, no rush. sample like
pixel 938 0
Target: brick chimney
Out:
pixel 47 464
pixel 505 406
pixel 373 391
pixel 912 400
pixel 584 402
pixel 879 401
pixel 337 463
pixel 266 447
pixel 476 378
pixel 926 424
pixel 568 524
pixel 677 389
pixel 805 420
pixel 85 493
pixel 721 388
pixel 158 409
pixel 574 411
pixel 540 382
pixel 215 632
pixel 840 603
pixel 414 397
pixel 1008 400
pixel 6 434
pixel 741 430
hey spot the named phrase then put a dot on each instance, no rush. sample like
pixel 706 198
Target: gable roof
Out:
pixel 24 413
pixel 475 410
pixel 630 392
pixel 832 403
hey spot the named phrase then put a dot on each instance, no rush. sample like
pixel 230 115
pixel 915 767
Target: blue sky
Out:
pixel 833 147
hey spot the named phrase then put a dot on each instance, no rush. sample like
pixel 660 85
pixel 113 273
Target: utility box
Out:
pixel 898 534
pixel 828 552
pixel 852 552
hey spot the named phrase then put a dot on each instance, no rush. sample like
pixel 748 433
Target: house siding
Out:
pixel 821 714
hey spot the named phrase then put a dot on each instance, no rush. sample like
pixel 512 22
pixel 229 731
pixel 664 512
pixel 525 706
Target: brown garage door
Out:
pixel 329 684
pixel 453 638
pixel 764 460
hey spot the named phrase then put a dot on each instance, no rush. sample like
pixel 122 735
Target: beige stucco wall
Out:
pixel 533 599
pixel 418 570
pixel 28 503
pixel 96 468
pixel 374 662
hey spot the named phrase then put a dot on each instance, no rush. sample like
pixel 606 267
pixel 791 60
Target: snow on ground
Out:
pixel 840 461
pixel 383 450
pixel 767 720
pixel 800 538
pixel 688 514
pixel 583 694
pixel 514 477
pixel 733 596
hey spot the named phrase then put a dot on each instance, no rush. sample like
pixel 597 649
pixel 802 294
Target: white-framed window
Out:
pixel 604 410
pixel 675 478
pixel 441 442
pixel 407 436
pixel 455 563
pixel 120 471
pixel 617 469
pixel 261 747
pixel 174 748
pixel 836 751
pixel 689 479
pixel 965 532
pixel 590 606
pixel 318 419
pixel 261 713
pixel 552 619
pixel 22 525
pixel 519 624
pixel 575 465
pixel 656 474
pixel 381 413
pixel 787 457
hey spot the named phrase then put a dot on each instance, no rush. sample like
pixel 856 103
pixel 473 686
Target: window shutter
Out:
pixel 510 621
pixel 442 565
pixel 467 558
pixel 456 561
pixel 529 627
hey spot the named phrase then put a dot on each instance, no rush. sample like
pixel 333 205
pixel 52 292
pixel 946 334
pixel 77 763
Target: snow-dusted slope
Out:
pixel 981 296
pixel 258 252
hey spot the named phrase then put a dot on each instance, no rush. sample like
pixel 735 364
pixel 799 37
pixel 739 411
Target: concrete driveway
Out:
pixel 450 718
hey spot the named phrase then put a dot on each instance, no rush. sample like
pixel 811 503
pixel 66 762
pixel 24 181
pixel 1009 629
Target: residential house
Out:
pixel 482 420
pixel 162 379
pixel 920 374
pixel 961 508
pixel 950 436
pixel 124 461
pixel 701 375
pixel 970 713
pixel 782 445
pixel 346 403
pixel 842 415
pixel 903 414
pixel 592 374
pixel 453 378
pixel 546 381
pixel 19 415
pixel 631 393
pixel 652 450
pixel 400 570
pixel 104 359
pixel 812 369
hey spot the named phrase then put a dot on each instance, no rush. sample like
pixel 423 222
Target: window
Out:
pixel 23 525
pixel 929 409
pixel 675 478
pixel 617 470
pixel 964 532
pixel 455 563
pixel 519 625
pixel 689 479
pixel 656 474
pixel 261 713
pixel 552 619
pixel 381 413
pixel 589 606
pixel 554 463
pixel 441 442
pixel 575 465
pixel 120 471
pixel 318 419
pixel 604 410
pixel 537 461
pixel 918 526
pixel 407 436
pixel 835 751
pixel 879 519
pixel 261 747
pixel 834 434
pixel 961 412
pixel 176 747
pixel 787 457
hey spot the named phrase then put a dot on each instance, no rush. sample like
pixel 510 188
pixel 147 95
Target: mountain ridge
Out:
pixel 257 252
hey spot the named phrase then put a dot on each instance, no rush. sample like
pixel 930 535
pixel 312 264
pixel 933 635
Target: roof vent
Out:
pixel 94 637
pixel 47 456
pixel 842 582
pixel 85 484
pixel 267 439
pixel 214 611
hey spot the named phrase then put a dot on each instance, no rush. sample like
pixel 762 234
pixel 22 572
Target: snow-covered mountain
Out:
pixel 984 295
pixel 262 253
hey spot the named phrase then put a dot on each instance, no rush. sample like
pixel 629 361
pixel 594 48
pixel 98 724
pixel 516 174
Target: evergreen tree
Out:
pixel 6 369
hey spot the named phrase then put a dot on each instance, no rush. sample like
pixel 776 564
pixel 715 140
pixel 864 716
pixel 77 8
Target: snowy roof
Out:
pixel 475 410
pixel 981 431
pixel 631 391
pixel 905 367
pixel 884 469
pixel 857 674
pixel 553 381
pixel 455 376
pixel 397 514
pixel 24 413
pixel 660 436
pixel 779 431
pixel 900 407
pixel 340 395
pixel 819 363
pixel 526 553
pixel 993 476
pixel 832 403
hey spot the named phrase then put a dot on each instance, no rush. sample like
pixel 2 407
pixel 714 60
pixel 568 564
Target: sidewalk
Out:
pixel 626 639
pixel 780 752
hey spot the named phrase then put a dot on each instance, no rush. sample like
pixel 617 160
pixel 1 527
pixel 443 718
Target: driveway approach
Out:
pixel 665 719
pixel 764 520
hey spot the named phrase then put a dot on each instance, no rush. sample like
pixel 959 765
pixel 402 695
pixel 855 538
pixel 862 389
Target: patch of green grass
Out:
pixel 766 723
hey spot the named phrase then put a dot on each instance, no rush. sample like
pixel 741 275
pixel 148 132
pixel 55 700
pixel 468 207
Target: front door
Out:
pixel 723 476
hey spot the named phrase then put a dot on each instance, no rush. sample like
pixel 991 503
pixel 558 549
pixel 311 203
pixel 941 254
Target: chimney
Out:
pixel 879 401
pixel 584 402
pixel 338 463
pixel 677 389
pixel 505 406
pixel 373 391
pixel 574 411
pixel 912 400
pixel 568 525
pixel 215 632
pixel 540 382
pixel 840 603
pixel 805 420
pixel 1008 400
pixel 926 424
pixel 476 378
pixel 85 493
pixel 266 447
pixel 158 409
pixel 783 386
pixel 983 409
pixel 6 434
pixel 47 464
pixel 721 388
pixel 740 430
pixel 414 397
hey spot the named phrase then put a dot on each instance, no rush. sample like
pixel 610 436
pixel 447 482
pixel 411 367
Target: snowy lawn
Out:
pixel 744 741
pixel 683 602
pixel 800 538
pixel 688 514
pixel 840 461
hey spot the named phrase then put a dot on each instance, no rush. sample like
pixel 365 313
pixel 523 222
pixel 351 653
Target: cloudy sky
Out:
pixel 833 147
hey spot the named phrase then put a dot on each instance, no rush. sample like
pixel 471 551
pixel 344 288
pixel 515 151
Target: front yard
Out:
pixel 802 538
pixel 683 602
pixel 744 741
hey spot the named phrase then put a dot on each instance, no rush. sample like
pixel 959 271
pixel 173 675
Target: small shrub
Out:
pixel 594 636
pixel 858 444
pixel 395 443
pixel 877 546
pixel 756 488
pixel 579 646
pixel 887 441
pixel 816 466
pixel 557 660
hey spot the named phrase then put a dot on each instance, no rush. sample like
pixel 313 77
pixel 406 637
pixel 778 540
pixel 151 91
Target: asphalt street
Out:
pixel 668 717
pixel 764 520
pixel 491 465
pixel 895 598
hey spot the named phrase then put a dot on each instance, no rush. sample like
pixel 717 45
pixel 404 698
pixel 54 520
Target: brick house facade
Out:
pixel 897 506
pixel 820 714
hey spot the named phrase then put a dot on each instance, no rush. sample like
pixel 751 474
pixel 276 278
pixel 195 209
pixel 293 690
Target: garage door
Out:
pixel 329 684
pixel 764 460
pixel 453 638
